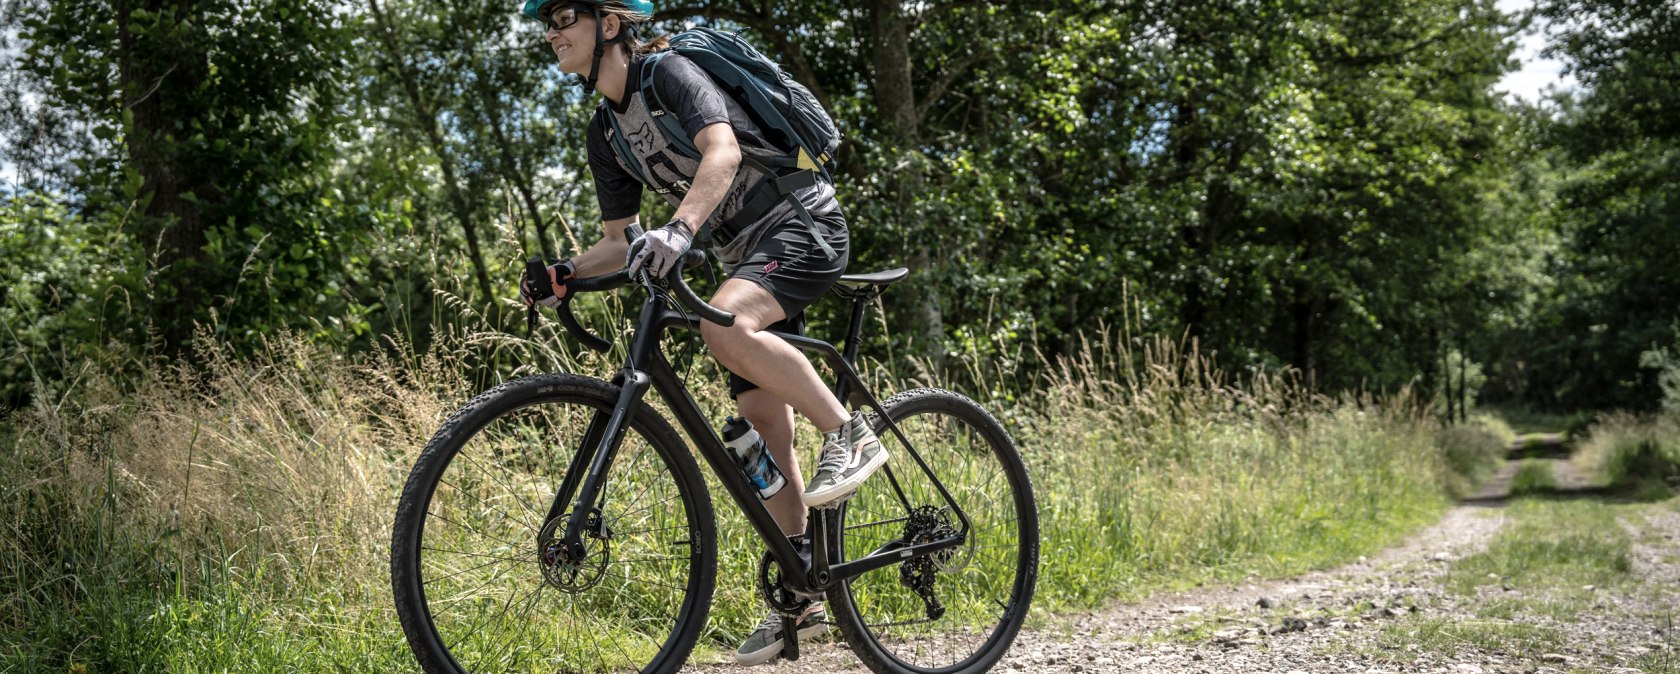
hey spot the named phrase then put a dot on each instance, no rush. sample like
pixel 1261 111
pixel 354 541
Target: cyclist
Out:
pixel 778 262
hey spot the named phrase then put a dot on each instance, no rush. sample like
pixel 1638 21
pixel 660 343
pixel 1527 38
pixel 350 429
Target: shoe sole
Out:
pixel 774 650
pixel 840 490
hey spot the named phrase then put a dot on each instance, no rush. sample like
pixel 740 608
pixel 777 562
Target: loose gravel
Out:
pixel 1353 618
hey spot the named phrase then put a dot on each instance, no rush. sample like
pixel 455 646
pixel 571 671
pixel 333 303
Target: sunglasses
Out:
pixel 562 17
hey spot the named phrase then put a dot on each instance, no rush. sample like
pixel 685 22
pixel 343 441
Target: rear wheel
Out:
pixel 959 609
pixel 480 580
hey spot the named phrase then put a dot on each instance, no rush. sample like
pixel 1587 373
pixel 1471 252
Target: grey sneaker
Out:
pixel 765 643
pixel 849 456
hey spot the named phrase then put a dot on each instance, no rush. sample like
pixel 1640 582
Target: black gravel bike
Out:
pixel 558 523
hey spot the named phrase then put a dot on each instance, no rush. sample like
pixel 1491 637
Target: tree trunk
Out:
pixel 1301 311
pixel 895 97
pixel 426 118
pixel 1446 380
pixel 895 110
pixel 1463 387
pixel 1187 142
pixel 159 76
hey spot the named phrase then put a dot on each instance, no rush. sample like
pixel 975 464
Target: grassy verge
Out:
pixel 1547 569
pixel 1471 452
pixel 1637 456
pixel 237 517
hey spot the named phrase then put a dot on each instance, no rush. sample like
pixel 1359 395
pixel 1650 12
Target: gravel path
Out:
pixel 1332 621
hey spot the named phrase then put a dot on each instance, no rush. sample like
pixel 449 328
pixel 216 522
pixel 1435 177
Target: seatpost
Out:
pixel 854 330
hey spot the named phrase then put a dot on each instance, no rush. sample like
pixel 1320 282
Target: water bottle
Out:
pixel 750 453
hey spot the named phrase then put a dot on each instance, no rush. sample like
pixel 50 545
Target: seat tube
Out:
pixel 854 331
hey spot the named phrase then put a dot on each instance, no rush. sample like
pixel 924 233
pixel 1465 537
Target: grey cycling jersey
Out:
pixel 691 95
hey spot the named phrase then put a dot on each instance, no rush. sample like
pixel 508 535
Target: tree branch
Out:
pixel 938 87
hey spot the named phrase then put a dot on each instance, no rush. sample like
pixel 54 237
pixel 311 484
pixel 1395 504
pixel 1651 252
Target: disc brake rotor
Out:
pixel 574 569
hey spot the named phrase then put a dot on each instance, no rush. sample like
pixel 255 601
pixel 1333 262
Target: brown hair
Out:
pixel 629 21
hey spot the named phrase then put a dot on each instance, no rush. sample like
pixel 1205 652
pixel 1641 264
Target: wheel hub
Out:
pixel 926 525
pixel 574 568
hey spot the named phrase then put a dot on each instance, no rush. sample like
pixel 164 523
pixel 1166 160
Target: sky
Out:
pixel 1534 74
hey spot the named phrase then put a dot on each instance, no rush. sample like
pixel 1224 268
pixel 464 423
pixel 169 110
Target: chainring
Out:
pixel 782 600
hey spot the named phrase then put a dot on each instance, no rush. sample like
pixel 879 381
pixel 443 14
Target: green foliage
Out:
pixel 1618 156
pixel 1286 185
pixel 1667 364
pixel 1533 477
pixel 1639 455
pixel 1470 453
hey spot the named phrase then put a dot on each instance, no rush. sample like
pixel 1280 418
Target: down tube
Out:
pixel 706 442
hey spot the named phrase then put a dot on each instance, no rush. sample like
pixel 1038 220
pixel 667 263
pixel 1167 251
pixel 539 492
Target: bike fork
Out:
pixel 604 443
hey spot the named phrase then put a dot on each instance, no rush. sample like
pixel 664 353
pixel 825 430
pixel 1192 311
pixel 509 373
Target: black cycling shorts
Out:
pixel 788 262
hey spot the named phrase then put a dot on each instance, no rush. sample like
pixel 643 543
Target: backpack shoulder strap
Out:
pixel 667 123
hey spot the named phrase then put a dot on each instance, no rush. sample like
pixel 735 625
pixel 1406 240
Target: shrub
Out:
pixel 1635 453
pixel 1470 453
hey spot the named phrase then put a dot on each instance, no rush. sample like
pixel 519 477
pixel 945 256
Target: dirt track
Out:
pixel 1332 621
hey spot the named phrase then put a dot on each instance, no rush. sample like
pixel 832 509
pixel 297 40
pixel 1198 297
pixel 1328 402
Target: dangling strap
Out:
pixel 788 187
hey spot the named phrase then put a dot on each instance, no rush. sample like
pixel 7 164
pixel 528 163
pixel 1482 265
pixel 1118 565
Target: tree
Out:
pixel 1620 146
pixel 218 119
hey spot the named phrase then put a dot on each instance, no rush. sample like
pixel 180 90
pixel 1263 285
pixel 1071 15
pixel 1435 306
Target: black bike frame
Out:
pixel 647 366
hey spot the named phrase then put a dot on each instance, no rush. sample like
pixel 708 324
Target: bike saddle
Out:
pixel 880 279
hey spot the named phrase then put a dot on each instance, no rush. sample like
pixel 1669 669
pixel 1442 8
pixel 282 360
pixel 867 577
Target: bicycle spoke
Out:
pixel 457 573
pixel 962 462
pixel 505 543
pixel 509 490
pixel 515 560
pixel 476 570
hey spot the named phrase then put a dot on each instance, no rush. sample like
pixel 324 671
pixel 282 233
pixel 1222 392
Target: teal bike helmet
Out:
pixel 533 9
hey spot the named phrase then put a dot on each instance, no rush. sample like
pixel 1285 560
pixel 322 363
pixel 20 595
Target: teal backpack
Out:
pixel 784 110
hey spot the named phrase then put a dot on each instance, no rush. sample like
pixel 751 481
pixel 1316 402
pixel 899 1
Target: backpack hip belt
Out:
pixel 774 189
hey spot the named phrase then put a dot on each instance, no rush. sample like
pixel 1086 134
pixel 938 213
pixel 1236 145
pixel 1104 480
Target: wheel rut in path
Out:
pixel 1323 621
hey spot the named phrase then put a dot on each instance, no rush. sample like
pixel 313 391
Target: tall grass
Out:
pixel 1472 451
pixel 234 516
pixel 1165 473
pixel 1633 453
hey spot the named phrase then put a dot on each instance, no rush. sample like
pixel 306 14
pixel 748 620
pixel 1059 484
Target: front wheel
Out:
pixel 481 578
pixel 956 610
